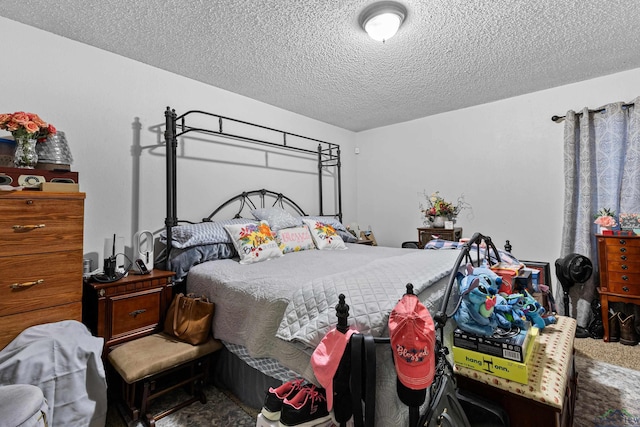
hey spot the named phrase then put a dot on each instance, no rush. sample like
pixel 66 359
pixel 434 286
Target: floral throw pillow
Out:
pixel 295 239
pixel 254 242
pixel 324 235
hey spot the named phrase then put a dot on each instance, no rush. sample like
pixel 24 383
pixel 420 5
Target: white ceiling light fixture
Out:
pixel 382 20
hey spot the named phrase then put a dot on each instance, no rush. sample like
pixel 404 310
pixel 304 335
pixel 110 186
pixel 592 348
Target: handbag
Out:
pixel 444 408
pixel 189 318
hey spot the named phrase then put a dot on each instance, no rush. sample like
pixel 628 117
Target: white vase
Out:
pixel 438 222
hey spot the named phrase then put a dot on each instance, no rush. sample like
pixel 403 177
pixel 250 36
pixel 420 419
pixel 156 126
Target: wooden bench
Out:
pixel 156 364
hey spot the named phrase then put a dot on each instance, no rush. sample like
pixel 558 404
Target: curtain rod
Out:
pixel 561 118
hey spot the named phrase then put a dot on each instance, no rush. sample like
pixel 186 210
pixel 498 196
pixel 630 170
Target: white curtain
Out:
pixel 602 170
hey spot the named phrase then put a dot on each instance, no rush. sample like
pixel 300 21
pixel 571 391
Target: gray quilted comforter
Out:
pixel 282 308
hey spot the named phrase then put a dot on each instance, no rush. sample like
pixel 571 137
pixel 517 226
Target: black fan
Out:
pixel 573 268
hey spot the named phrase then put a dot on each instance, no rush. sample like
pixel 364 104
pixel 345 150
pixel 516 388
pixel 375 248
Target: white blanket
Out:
pixel 65 361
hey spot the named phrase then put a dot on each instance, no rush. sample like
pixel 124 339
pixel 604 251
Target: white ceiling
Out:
pixel 311 57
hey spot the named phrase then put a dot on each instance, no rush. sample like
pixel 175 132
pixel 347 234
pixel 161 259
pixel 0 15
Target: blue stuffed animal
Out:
pixel 476 311
pixel 534 312
pixel 509 311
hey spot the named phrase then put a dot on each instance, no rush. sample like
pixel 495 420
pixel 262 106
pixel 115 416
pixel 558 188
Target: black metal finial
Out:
pixel 342 312
pixel 507 246
pixel 409 289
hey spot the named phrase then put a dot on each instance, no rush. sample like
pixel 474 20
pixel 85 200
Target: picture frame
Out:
pixel 544 268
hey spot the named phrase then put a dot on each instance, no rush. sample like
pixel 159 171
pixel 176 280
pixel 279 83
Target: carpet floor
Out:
pixel 608 377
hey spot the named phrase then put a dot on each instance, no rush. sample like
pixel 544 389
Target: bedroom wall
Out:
pixel 506 157
pixel 100 100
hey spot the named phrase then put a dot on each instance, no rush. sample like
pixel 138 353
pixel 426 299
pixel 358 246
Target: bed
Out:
pixel 271 314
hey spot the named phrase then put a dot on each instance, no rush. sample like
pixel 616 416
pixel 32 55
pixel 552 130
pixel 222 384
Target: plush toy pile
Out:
pixel 486 305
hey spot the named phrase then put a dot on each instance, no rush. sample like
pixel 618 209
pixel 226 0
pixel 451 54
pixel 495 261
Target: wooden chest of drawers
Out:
pixel 129 308
pixel 619 263
pixel 41 238
pixel 425 235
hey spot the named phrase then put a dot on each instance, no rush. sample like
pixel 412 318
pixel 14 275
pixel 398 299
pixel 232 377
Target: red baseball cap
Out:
pixel 326 358
pixel 413 339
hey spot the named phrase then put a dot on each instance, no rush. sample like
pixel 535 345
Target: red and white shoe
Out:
pixel 275 396
pixel 306 409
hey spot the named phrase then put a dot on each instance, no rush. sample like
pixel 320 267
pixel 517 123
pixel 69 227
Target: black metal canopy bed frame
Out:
pixel 250 308
pixel 176 126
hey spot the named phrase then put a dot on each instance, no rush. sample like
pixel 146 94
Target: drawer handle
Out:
pixel 623 257
pixel 135 313
pixel 625 288
pixel 623 242
pixel 624 266
pixel 625 278
pixel 26 284
pixel 27 227
pixel 623 249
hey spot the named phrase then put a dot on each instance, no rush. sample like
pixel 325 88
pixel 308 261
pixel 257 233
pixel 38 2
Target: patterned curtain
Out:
pixel 602 170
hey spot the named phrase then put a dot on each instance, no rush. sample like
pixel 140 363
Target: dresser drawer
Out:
pixel 14 324
pixel 623 266
pixel 618 286
pixel 134 312
pixel 37 225
pixel 58 277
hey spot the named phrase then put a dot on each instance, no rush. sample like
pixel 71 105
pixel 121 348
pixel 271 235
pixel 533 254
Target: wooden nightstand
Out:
pixel 129 308
pixel 425 235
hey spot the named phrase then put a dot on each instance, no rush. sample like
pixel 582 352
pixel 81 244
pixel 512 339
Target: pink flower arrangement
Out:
pixel 605 218
pixel 26 125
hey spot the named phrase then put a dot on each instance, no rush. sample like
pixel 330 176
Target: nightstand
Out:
pixel 129 308
pixel 425 235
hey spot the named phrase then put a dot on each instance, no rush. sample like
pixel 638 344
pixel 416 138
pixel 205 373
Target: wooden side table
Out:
pixel 425 234
pixel 550 393
pixel 129 308
pixel 619 264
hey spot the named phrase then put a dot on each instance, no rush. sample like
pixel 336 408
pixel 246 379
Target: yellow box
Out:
pixel 493 365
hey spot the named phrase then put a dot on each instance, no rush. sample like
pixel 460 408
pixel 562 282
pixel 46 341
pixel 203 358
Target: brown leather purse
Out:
pixel 189 318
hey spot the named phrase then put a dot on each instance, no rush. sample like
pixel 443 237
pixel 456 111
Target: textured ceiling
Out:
pixel 311 57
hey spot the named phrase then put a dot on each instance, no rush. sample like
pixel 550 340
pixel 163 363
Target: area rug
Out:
pixel 221 410
pixel 607 395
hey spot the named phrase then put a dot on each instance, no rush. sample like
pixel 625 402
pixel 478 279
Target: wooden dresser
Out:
pixel 619 264
pixel 41 237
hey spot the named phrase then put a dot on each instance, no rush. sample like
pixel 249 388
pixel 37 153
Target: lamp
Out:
pixel 381 20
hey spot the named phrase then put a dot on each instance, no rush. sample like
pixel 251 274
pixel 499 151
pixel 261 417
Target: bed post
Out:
pixel 320 178
pixel 171 144
pixel 339 166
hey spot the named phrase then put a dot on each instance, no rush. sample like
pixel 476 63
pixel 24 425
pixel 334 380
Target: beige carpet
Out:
pixel 609 352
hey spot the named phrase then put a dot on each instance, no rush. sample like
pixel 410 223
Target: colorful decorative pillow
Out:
pixel 295 239
pixel 277 218
pixel 254 242
pixel 329 220
pixel 203 233
pixel 324 235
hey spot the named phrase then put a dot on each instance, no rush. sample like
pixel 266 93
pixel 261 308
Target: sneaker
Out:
pixel 306 409
pixel 275 396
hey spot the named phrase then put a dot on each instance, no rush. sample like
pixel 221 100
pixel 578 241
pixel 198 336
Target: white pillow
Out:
pixel 254 242
pixel 277 218
pixel 324 235
pixel 295 239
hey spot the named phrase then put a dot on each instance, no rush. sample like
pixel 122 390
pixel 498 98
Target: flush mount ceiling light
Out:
pixel 381 20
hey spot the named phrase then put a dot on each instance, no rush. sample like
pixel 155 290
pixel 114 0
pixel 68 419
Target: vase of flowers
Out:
pixel 605 219
pixel 437 210
pixel 27 129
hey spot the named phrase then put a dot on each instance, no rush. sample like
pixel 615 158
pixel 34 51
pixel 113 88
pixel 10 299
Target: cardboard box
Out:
pixel 493 365
pixel 501 344
pixel 60 187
